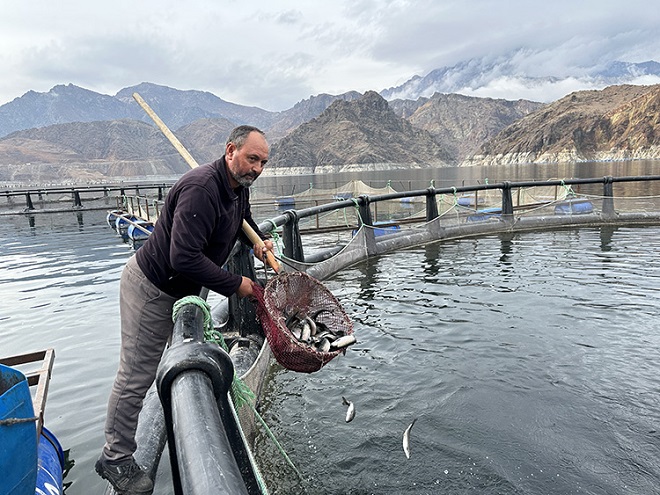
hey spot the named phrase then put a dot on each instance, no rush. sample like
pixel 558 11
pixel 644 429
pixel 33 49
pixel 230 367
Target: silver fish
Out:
pixel 344 341
pixel 406 439
pixel 312 325
pixel 296 331
pixel 350 412
pixel 291 317
pixel 306 331
pixel 324 345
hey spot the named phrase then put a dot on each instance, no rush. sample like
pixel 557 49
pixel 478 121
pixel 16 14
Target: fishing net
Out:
pixel 297 292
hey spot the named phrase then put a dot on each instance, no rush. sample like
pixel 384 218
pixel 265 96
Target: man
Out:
pixel 196 230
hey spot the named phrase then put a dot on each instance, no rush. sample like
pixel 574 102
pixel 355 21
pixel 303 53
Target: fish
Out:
pixel 306 331
pixel 312 325
pixel 406 439
pixel 291 317
pixel 344 341
pixel 350 412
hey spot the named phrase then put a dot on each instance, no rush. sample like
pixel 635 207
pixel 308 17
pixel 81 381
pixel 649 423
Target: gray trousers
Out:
pixel 146 326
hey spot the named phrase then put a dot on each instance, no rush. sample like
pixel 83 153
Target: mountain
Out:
pixel 477 77
pixel 617 123
pixel 358 132
pixel 177 108
pixel 62 104
pixel 304 111
pixel 461 124
pixel 88 151
pixel 69 103
pixel 205 138
pixel 364 131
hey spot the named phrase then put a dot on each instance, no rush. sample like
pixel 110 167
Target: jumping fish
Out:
pixel 406 439
pixel 350 412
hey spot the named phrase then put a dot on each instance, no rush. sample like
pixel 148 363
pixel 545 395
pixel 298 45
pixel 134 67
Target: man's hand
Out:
pixel 260 252
pixel 246 288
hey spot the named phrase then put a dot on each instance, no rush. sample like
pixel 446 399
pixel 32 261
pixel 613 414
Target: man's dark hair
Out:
pixel 240 134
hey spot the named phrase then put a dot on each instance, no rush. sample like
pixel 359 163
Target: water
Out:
pixel 529 361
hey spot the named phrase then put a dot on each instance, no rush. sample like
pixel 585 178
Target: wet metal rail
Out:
pixel 291 232
pixel 45 194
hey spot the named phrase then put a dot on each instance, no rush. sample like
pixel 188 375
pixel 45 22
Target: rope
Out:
pixel 277 240
pixel 455 197
pixel 357 210
pixel 569 190
pixel 240 393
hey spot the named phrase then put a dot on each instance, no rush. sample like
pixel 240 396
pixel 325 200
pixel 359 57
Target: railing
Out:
pixel 509 205
pixel 77 192
pixel 290 219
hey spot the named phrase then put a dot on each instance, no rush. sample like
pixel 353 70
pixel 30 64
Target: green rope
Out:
pixel 277 240
pixel 240 393
pixel 569 190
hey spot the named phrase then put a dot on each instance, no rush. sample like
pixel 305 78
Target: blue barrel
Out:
pixel 18 439
pixel 574 207
pixel 111 218
pixel 50 466
pixel 136 233
pixel 122 224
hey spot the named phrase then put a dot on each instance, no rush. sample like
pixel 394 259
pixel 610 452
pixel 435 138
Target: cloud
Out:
pixel 274 54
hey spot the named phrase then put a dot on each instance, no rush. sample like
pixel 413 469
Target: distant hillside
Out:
pixel 461 124
pixel 205 138
pixel 304 111
pixel 365 132
pixel 358 132
pixel 88 151
pixel 619 122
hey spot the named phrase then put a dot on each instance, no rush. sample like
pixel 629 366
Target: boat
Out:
pixel 31 457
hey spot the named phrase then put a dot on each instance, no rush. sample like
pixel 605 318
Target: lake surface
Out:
pixel 529 361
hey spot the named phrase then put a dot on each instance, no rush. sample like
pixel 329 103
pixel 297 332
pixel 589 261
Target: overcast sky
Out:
pixel 272 54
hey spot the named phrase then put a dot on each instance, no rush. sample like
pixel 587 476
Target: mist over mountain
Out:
pixel 504 75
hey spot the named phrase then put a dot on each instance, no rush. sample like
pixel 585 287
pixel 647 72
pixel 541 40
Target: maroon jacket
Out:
pixel 195 233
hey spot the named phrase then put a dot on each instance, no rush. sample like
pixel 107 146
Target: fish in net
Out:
pixel 304 323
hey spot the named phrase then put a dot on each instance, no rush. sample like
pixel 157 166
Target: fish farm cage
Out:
pixel 378 220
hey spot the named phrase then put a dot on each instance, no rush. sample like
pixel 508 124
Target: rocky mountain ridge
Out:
pixel 364 133
pixel 617 123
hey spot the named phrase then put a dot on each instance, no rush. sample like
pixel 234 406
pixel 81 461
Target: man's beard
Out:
pixel 245 180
